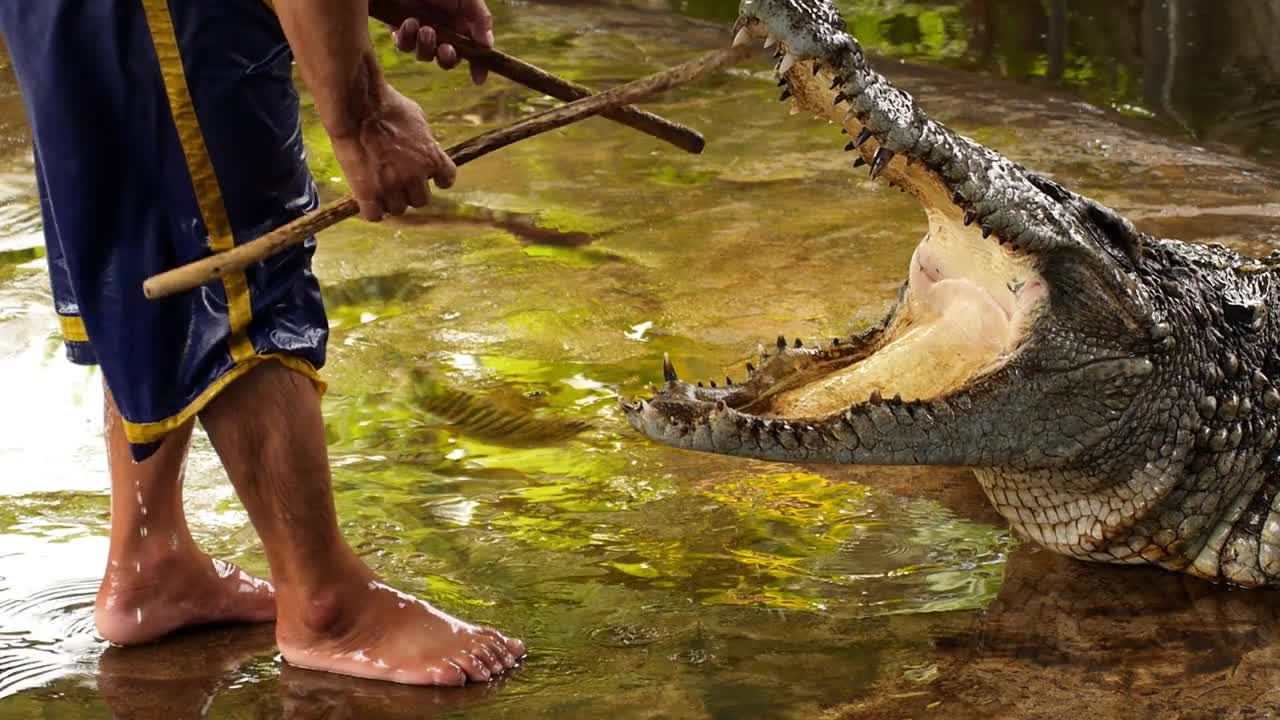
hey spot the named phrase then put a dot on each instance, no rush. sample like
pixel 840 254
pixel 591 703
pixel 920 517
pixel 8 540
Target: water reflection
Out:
pixel 1120 642
pixel 1209 68
pixel 1205 68
pixel 1060 634
pixel 218 673
pixel 183 678
pixel 307 695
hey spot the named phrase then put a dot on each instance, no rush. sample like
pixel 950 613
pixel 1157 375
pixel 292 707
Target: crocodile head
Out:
pixel 1029 341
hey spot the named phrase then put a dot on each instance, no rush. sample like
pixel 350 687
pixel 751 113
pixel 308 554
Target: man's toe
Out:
pixel 498 646
pixel 448 674
pixel 490 657
pixel 473 666
pixel 515 647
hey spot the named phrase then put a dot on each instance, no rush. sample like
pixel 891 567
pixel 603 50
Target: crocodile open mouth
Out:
pixel 966 309
pixel 970 300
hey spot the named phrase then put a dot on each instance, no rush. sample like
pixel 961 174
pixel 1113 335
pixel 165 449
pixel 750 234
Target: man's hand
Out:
pixel 465 17
pixel 391 156
pixel 381 138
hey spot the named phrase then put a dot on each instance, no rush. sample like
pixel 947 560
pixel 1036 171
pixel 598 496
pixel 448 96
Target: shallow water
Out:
pixel 647 581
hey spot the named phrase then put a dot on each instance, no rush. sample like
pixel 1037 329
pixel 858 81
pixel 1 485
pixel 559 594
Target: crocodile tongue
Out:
pixel 949 331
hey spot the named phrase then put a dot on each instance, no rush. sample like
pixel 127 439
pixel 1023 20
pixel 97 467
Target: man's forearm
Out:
pixel 330 41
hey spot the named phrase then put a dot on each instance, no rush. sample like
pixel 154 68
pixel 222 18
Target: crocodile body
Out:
pixel 1113 392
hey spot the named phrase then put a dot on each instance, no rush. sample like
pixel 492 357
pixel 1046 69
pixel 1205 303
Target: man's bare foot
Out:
pixel 367 629
pixel 334 613
pixel 145 598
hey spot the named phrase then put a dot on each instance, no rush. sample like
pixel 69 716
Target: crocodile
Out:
pixel 1112 391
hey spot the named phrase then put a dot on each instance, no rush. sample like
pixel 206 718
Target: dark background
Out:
pixel 1208 69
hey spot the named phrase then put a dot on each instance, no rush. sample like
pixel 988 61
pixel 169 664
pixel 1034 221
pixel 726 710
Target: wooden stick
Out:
pixel 395 12
pixel 212 268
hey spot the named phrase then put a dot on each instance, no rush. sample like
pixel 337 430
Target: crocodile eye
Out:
pixel 1247 313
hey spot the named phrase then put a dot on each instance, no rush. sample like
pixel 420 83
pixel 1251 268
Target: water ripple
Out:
pixel 46 625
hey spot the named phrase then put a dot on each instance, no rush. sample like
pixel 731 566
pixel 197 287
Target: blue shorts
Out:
pixel 165 131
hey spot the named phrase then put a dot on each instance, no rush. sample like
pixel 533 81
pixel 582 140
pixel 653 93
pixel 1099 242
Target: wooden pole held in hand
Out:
pixel 395 12
pixel 214 267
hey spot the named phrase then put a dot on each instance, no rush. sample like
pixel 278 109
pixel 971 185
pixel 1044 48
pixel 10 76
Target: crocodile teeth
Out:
pixel 742 38
pixel 787 62
pixel 883 157
pixel 668 370
pixel 770 41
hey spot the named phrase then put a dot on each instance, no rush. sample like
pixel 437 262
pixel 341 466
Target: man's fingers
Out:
pixel 407 35
pixel 479 21
pixel 418 194
pixel 446 171
pixel 370 209
pixel 447 56
pixel 480 28
pixel 426 43
pixel 394 202
pixel 469 17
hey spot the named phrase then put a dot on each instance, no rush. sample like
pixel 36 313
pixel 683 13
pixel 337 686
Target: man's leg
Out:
pixel 334 613
pixel 157 579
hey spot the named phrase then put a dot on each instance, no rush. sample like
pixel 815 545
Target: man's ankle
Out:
pixel 319 594
pixel 147 559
